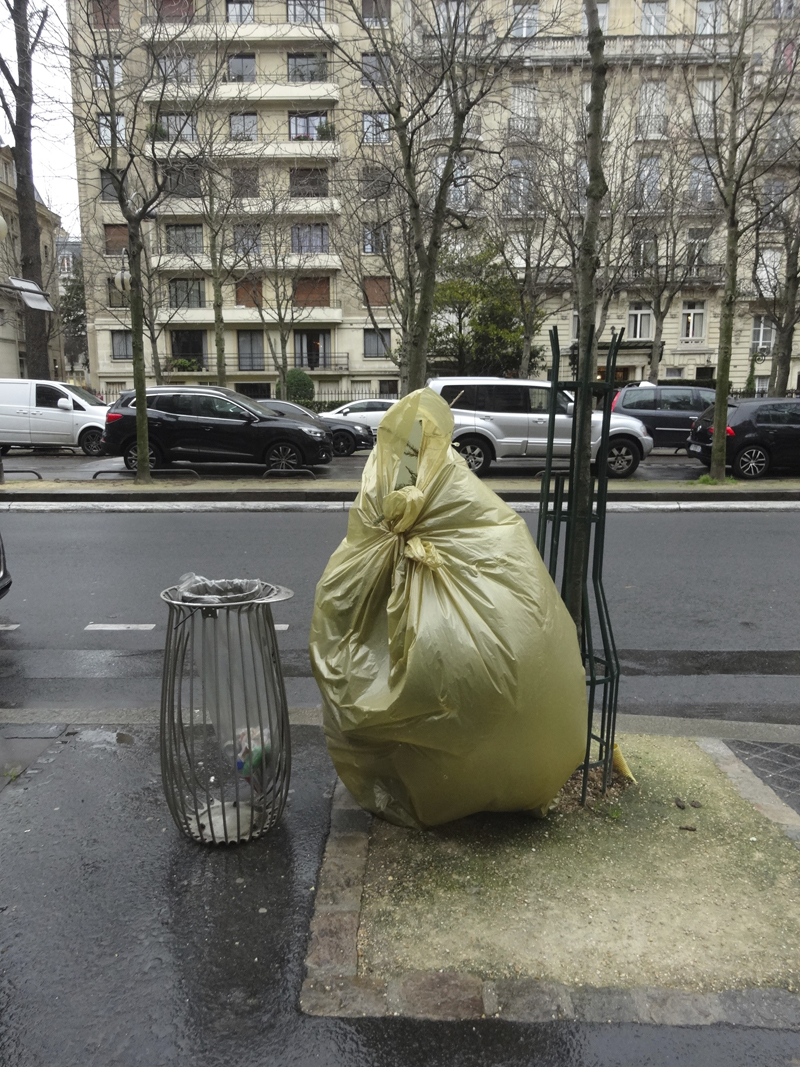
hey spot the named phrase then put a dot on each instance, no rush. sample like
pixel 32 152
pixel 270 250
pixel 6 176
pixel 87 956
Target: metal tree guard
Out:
pixel 225 749
pixel 557 511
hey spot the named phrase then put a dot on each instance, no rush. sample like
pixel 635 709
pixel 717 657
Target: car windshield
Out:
pixel 85 395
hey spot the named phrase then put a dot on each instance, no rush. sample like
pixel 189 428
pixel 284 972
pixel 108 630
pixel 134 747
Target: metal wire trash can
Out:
pixel 225 748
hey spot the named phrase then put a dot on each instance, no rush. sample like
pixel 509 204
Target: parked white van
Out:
pixel 50 413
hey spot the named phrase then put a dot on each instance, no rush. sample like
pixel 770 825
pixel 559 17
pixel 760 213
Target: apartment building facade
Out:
pixel 13 362
pixel 260 88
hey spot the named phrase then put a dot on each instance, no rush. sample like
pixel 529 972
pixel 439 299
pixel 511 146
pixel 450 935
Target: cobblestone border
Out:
pixel 333 986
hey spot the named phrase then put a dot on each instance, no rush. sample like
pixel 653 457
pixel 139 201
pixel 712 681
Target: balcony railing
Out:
pixel 323 361
pixel 260 12
pixel 651 127
pixel 626 47
pixel 524 126
pixel 441 129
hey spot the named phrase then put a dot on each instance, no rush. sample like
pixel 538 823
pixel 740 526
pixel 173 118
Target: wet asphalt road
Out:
pixel 703 617
pixel 663 465
pixel 122 944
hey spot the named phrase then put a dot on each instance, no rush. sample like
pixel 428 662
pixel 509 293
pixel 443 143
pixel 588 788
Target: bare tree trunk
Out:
pixel 157 372
pixel 525 362
pixel 655 351
pixel 219 325
pixel 726 319
pixel 36 332
pixel 137 345
pixel 782 359
pixel 576 562
pixel 417 357
pixel 281 362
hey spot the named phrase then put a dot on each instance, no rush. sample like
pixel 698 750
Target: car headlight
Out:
pixel 366 430
pixel 312 432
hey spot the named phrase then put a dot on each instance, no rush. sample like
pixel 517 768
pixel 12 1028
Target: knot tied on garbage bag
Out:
pixel 423 552
pixel 450 671
pixel 402 507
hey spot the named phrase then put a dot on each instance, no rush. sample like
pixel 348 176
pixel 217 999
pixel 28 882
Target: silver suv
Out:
pixel 503 419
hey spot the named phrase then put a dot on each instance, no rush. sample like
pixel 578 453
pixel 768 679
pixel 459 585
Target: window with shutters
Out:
pixel 244 182
pixel 313 292
pixel 377 290
pixel 175 10
pixel 105 14
pixel 249 292
pixel 308 182
pixel 116 238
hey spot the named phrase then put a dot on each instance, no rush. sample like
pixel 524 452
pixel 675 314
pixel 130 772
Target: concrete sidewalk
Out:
pixel 121 943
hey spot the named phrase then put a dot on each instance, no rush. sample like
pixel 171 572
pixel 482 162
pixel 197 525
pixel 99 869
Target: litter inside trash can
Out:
pixel 224 721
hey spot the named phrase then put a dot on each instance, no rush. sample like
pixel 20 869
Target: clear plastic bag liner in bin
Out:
pixel 449 667
pixel 194 589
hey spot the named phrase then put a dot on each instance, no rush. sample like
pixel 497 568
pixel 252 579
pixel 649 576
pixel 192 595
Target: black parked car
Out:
pixel 5 577
pixel 667 411
pixel 761 435
pixel 347 435
pixel 213 424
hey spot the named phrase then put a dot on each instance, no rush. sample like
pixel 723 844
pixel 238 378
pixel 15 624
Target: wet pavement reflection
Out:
pixel 121 943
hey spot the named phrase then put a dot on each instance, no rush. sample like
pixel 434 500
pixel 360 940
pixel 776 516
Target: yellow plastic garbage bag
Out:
pixel 449 668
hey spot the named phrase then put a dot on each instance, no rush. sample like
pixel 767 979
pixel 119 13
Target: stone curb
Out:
pixel 521 506
pixel 333 987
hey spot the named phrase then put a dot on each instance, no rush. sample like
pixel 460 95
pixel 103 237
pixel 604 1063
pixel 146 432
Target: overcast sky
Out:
pixel 53 143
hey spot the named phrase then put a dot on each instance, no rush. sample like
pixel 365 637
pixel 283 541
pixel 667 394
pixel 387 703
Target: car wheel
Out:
pixel 283 457
pixel 476 454
pixel 131 453
pixel 4 450
pixel 752 462
pixel 90 442
pixel 623 457
pixel 344 444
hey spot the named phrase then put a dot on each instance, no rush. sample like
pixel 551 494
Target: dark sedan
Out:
pixel 761 435
pixel 347 436
pixel 213 425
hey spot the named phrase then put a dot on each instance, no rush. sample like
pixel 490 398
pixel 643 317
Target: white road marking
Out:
pixel 9 625
pixel 120 626
pixel 281 625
